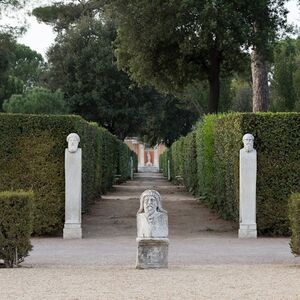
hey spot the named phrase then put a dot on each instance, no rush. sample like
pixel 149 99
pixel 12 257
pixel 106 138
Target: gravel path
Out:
pixel 206 259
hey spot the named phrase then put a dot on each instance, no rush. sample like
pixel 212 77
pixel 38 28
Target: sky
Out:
pixel 40 36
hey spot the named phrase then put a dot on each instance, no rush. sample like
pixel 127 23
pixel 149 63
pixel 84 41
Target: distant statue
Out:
pixel 148 163
pixel 152 219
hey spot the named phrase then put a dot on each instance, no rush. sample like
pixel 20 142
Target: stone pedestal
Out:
pixel 141 156
pixel 247 231
pixel 131 168
pixel 152 253
pixel 72 228
pixel 72 231
pixel 248 194
pixel 156 157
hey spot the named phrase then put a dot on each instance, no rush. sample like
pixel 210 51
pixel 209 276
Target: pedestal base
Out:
pixel 247 231
pixel 72 231
pixel 152 253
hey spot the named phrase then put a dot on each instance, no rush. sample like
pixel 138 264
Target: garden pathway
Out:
pixel 115 214
pixel 206 259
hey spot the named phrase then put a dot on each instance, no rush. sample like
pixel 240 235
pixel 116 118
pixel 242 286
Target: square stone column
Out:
pixel 72 228
pixel 248 173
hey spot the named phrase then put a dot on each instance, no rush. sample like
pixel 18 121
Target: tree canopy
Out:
pixel 36 100
pixel 170 43
pixel 285 82
pixel 22 67
pixel 82 65
pixel 61 15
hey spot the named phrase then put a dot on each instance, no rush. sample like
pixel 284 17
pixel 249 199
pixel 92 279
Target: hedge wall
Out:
pixel 189 159
pixel 15 226
pixel 217 141
pixel 294 218
pixel 32 157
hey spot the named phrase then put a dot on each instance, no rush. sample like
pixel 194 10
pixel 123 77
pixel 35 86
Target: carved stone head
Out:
pixel 150 202
pixel 248 140
pixel 73 140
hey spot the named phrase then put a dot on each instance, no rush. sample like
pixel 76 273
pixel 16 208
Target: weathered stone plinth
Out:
pixel 248 231
pixel 72 231
pixel 152 253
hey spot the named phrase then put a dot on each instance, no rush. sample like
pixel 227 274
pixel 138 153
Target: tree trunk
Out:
pixel 260 98
pixel 214 81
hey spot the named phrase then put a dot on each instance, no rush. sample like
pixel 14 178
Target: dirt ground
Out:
pixel 206 259
pixel 230 281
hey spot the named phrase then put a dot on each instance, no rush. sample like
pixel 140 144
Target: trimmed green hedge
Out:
pixel 32 157
pixel 178 158
pixel 163 163
pixel 294 217
pixel 15 226
pixel 189 159
pixel 218 139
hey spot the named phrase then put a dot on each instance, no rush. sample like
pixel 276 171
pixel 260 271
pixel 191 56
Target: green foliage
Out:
pixel 166 118
pixel 27 65
pixel 61 16
pixel 294 218
pixel 177 158
pixel 189 161
pixel 32 157
pixel 177 42
pixel 218 141
pixel 163 163
pixel 7 45
pixel 241 95
pixel 15 226
pixel 124 163
pixel 22 68
pixel 82 66
pixel 168 44
pixel 36 100
pixel 228 134
pixel 205 158
pixel 278 146
pixel 285 82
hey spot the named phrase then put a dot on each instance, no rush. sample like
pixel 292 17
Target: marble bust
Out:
pixel 73 140
pixel 152 219
pixel 248 140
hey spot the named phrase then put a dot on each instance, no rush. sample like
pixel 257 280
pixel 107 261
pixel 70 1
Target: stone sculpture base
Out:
pixel 152 253
pixel 247 231
pixel 72 231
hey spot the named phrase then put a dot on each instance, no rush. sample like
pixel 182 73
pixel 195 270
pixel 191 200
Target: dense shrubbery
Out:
pixel 32 157
pixel 189 159
pixel 163 163
pixel 294 217
pixel 15 226
pixel 218 141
